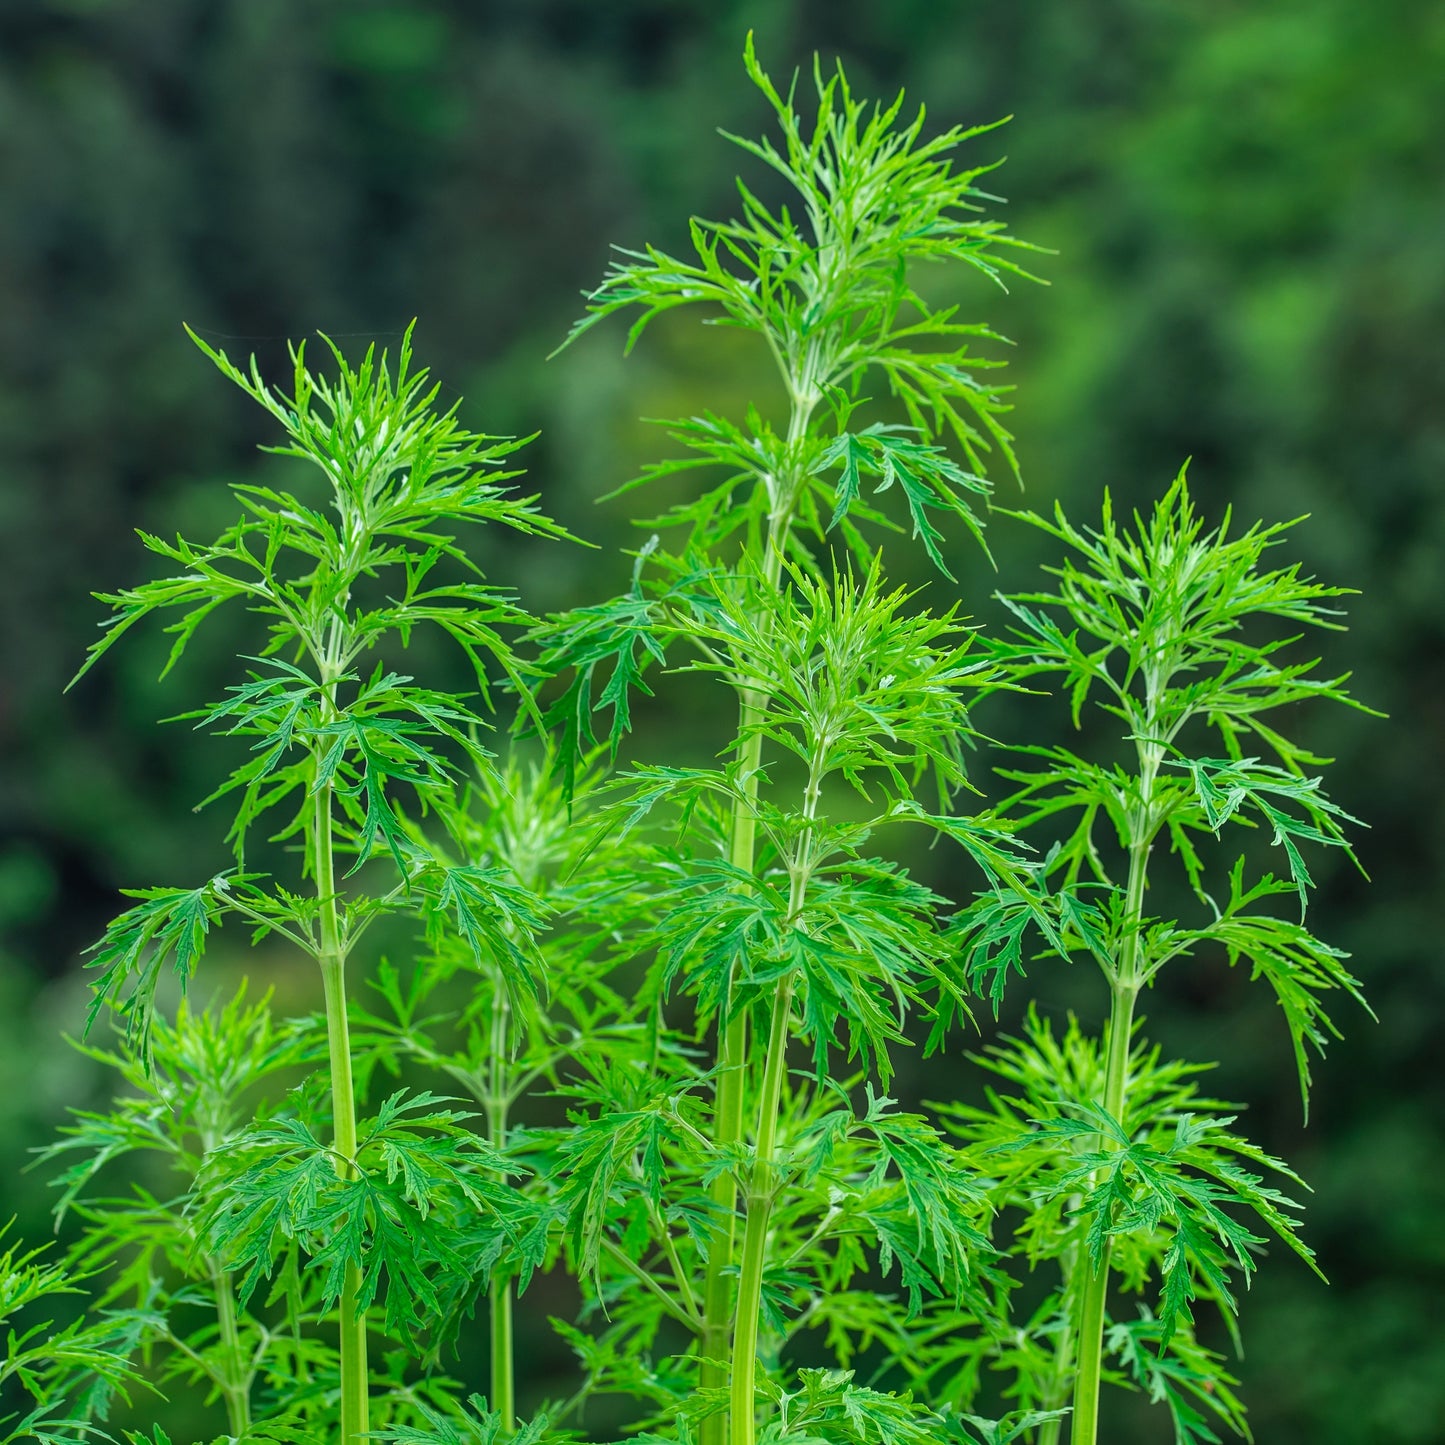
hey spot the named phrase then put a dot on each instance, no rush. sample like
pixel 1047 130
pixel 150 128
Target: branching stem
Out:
pixel 718 1315
pixel 1124 984
pixel 355 1393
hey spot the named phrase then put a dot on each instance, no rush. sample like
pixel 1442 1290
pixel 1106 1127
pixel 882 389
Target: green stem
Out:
pixel 1094 1297
pixel 355 1402
pixel 762 1186
pixel 293 1313
pixel 236 1383
pixel 503 1349
pixel 234 1376
pixel 650 1283
pixel 763 1181
pixel 717 1315
pixel 1124 984
pixel 717 1311
pixel 504 1388
pixel 1059 1389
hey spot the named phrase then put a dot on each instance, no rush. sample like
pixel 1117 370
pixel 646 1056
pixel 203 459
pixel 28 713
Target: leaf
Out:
pixel 1225 786
pixel 829 1409
pixel 1296 965
pixel 363 757
pixel 498 919
pixel 475 1426
pixel 943 1242
pixel 1180 1186
pixel 69 1372
pixel 169 923
pixel 991 932
pixel 1186 1377
pixel 421 1198
pixel 618 638
pixel 612 1160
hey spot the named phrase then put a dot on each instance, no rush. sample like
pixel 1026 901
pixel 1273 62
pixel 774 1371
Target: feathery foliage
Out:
pixel 635 1020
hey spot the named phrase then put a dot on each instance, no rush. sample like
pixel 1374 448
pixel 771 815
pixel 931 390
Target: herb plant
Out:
pixel 354 764
pixel 1185 638
pixel 65 1374
pixel 636 1020
pixel 797 931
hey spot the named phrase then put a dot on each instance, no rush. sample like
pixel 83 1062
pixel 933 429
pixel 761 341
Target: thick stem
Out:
pixel 504 1389
pixel 762 1186
pixel 355 1403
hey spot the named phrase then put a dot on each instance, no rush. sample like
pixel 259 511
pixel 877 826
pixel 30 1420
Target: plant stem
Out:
pixel 717 1318
pixel 236 1374
pixel 762 1186
pixel 355 1403
pixel 236 1385
pixel 1094 1297
pixel 1059 1390
pixel 1124 984
pixel 763 1183
pixel 503 1350
pixel 293 1314
pixel 504 1396
pixel 728 1125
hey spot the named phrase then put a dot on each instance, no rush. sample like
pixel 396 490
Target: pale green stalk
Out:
pixel 235 1377
pixel 499 1295
pixel 762 1185
pixel 355 1390
pixel 1124 984
pixel 235 1384
pixel 763 1180
pixel 1060 1387
pixel 718 1314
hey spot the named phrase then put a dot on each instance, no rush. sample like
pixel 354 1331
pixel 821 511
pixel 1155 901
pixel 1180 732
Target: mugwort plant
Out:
pixel 782 926
pixel 358 1220
pixel 633 1022
pixel 1130 1181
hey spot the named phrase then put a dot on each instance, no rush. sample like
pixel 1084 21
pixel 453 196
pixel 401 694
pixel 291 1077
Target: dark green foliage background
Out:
pixel 1248 202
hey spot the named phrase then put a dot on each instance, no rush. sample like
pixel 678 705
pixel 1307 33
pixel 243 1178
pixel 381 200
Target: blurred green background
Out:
pixel 1248 205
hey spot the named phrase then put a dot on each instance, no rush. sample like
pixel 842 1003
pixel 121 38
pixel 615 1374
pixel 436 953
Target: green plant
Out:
pixel 781 926
pixel 670 995
pixel 67 1373
pixel 341 741
pixel 1184 637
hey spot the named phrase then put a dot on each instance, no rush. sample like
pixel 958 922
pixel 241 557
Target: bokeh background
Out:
pixel 1247 202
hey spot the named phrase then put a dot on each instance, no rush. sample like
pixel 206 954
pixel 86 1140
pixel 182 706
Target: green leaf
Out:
pixel 169 923
pixel 1224 786
pixel 619 638
pixel 1296 965
pixel 496 917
